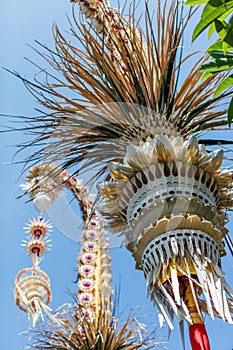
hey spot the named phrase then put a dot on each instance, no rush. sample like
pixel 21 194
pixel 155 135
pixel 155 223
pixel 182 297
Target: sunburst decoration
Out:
pixel 37 242
pixel 38 227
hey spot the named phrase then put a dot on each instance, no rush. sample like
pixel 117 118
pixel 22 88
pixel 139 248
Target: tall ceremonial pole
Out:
pixel 140 124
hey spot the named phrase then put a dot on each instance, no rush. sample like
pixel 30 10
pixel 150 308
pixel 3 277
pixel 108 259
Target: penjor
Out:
pixel 171 195
pixel 140 125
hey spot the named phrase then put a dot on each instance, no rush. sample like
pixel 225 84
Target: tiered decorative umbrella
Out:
pixel 172 203
pixel 142 126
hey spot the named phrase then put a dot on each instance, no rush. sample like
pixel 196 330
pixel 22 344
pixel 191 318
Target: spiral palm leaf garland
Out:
pixel 141 127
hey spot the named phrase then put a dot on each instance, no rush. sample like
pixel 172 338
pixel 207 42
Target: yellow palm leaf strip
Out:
pixel 194 99
pixel 187 84
pixel 196 94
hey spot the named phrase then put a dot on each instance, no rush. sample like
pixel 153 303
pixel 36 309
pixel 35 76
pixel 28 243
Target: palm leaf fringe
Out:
pixel 75 333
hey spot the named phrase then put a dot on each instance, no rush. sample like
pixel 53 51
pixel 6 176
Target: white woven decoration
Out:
pixel 168 198
pixel 32 293
pixel 44 184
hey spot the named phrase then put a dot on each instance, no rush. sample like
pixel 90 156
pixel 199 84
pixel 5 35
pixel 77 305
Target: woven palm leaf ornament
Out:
pixel 170 194
pixel 44 184
pixel 173 210
pixel 32 285
pixel 96 326
pixel 93 323
pixel 165 190
pixel 32 291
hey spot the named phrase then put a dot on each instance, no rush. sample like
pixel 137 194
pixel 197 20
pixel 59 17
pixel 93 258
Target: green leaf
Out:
pixel 226 83
pixel 211 17
pixel 217 46
pixel 230 112
pixel 195 2
pixel 229 37
pixel 213 5
pixel 225 46
pixel 221 19
pixel 216 66
pixel 206 75
pixel 209 7
pixel 225 31
pixel 211 30
pixel 221 56
pixel 221 28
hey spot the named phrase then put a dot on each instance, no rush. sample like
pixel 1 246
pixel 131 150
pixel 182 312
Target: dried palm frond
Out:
pixel 78 334
pixel 93 109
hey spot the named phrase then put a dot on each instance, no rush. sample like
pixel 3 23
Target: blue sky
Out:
pixel 21 22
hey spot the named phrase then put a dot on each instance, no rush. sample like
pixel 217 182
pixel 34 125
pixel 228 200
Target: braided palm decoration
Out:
pixel 32 285
pixel 94 263
pixel 141 125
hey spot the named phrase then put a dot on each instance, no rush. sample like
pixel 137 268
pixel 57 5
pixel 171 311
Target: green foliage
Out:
pixel 211 14
pixel 230 111
pixel 221 63
pixel 228 82
pixel 217 16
